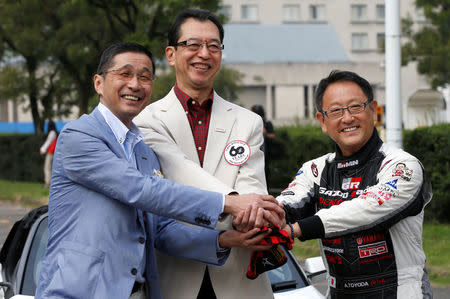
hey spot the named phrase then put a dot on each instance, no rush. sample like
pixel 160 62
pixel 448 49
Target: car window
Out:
pixel 287 277
pixel 34 260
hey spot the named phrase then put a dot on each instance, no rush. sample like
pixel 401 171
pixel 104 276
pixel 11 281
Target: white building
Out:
pixel 285 47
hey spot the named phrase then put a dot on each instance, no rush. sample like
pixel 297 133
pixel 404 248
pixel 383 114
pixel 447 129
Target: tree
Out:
pixel 68 36
pixel 27 73
pixel 430 45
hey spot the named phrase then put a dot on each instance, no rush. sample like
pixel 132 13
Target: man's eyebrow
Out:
pixel 130 66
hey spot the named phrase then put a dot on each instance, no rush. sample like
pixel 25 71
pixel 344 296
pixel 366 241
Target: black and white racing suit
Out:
pixel 368 211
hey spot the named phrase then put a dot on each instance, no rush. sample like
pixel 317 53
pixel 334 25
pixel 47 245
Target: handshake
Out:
pixel 251 212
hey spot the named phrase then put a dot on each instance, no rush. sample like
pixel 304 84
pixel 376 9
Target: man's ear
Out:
pixel 98 84
pixel 170 55
pixel 321 118
pixel 373 106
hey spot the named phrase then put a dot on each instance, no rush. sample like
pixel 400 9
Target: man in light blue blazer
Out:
pixel 108 201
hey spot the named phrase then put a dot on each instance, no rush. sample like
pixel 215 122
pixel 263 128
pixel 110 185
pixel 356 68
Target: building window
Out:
pixel 380 12
pixel 380 41
pixel 291 12
pixel 359 12
pixel 249 12
pixel 226 11
pixel 360 41
pixel 317 12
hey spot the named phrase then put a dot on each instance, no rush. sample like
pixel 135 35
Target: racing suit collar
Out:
pixel 361 156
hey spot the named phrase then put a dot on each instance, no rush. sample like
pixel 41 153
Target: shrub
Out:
pixel 20 159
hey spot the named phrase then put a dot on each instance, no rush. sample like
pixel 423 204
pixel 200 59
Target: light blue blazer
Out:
pixel 97 232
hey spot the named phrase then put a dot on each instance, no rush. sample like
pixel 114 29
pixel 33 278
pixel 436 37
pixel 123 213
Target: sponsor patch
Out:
pixel 314 170
pixel 370 239
pixel 402 171
pixel 393 183
pixel 373 249
pixel 333 250
pixel 332 281
pixel 299 172
pixel 347 164
pixel 237 152
pixel 353 285
pixel 351 183
pixel 288 192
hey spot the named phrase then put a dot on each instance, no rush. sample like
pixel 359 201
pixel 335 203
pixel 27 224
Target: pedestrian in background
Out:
pixel 269 136
pixel 48 149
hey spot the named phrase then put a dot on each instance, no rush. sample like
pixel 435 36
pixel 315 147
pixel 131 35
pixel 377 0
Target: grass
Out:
pixel 436 237
pixel 24 193
pixel 436 243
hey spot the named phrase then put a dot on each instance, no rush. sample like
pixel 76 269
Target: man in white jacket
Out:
pixel 205 141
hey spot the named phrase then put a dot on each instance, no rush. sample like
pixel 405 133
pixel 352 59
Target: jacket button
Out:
pixel 141 240
pixel 134 271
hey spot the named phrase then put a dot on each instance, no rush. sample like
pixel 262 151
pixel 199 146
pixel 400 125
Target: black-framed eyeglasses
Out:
pixel 195 45
pixel 339 112
pixel 126 74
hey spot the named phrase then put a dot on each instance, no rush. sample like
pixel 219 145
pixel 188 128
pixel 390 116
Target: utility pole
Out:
pixel 393 83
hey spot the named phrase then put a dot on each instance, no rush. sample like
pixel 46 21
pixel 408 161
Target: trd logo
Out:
pixel 372 249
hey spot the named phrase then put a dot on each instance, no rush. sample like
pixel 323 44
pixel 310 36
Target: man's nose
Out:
pixel 203 51
pixel 347 116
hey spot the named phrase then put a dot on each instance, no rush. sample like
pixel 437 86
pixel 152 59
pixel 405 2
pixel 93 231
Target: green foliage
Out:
pixel 66 38
pixel 292 147
pixel 20 159
pixel 431 146
pixel 430 45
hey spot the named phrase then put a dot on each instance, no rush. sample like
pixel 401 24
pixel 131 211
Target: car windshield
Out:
pixel 34 259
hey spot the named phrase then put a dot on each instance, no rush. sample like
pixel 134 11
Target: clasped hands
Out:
pixel 250 213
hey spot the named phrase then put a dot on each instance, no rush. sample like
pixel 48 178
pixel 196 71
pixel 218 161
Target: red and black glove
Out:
pixel 265 260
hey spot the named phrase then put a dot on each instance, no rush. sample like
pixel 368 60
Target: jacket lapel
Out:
pixel 220 125
pixel 106 133
pixel 174 117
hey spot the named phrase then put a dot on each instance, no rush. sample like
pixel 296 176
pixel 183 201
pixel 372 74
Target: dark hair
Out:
pixel 258 109
pixel 201 15
pixel 339 76
pixel 51 126
pixel 107 58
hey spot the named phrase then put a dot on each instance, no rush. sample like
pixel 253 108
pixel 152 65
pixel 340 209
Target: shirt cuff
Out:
pixel 221 251
pixel 312 228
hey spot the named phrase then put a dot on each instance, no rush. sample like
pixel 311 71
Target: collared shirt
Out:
pixel 198 117
pixel 127 138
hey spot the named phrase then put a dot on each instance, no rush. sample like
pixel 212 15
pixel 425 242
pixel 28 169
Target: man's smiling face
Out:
pixel 195 70
pixel 351 131
pixel 125 97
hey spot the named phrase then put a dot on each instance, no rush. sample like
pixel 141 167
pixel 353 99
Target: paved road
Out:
pixel 9 214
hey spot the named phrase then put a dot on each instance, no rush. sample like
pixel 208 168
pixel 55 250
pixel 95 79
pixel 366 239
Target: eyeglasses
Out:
pixel 194 45
pixel 124 74
pixel 339 112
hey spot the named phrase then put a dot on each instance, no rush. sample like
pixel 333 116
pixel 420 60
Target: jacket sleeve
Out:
pixel 397 195
pixel 87 160
pixel 298 197
pixel 187 241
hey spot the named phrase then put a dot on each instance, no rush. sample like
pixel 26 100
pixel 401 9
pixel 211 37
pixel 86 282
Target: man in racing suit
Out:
pixel 365 201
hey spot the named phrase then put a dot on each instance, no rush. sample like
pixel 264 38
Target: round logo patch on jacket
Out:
pixel 237 152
